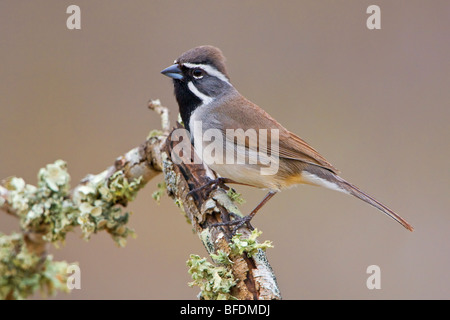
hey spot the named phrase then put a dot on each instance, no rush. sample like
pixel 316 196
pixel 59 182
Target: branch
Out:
pixel 50 210
pixel 253 275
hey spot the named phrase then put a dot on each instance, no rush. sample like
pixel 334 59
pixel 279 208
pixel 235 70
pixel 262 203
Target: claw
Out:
pixel 219 182
pixel 237 222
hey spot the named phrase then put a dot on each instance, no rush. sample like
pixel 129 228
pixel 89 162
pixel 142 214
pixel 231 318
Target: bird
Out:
pixel 206 96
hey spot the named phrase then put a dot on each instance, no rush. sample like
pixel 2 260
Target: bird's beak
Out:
pixel 173 72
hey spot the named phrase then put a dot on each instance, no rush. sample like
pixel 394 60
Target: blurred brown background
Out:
pixel 374 103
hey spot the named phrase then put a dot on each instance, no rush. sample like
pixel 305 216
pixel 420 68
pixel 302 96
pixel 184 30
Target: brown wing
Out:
pixel 293 147
pixel 246 115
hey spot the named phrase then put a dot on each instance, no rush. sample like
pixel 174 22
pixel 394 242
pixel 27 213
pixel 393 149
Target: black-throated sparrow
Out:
pixel 208 101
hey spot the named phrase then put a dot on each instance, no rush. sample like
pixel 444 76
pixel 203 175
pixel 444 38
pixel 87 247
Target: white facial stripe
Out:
pixel 312 178
pixel 209 70
pixel 205 99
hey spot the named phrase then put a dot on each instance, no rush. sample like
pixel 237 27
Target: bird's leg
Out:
pixel 218 182
pixel 239 221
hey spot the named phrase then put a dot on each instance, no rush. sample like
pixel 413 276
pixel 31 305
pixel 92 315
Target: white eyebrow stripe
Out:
pixel 209 70
pixel 205 99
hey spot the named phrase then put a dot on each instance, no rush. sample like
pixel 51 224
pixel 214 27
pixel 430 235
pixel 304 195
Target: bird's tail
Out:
pixel 325 178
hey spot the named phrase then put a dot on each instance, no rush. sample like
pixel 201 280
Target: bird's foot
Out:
pixel 237 222
pixel 207 188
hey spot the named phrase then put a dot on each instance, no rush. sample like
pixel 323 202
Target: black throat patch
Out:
pixel 187 101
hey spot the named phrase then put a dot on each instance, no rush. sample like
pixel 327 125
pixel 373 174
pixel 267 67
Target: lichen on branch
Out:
pixel 248 245
pixel 22 272
pixel 215 282
pixel 51 209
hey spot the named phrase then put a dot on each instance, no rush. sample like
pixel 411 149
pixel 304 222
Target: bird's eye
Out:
pixel 198 73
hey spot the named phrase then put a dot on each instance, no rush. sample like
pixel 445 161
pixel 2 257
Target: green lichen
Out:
pixel 235 196
pixel 45 207
pixel 221 258
pixel 248 245
pixel 180 120
pixel 170 177
pixel 49 209
pixel 154 133
pixel 55 177
pixel 214 282
pixel 205 236
pixel 171 183
pixel 121 189
pixel 156 195
pixel 179 204
pixel 97 206
pixel 22 273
